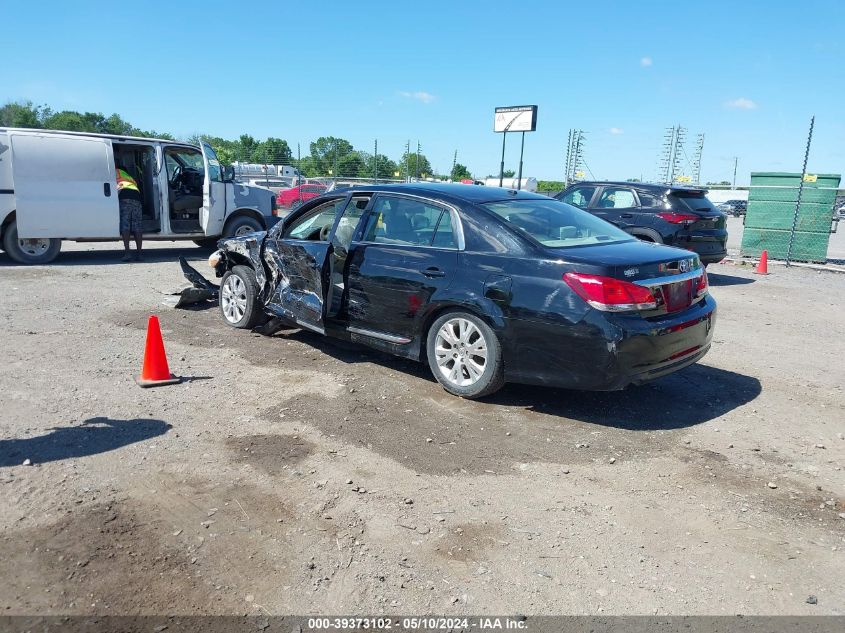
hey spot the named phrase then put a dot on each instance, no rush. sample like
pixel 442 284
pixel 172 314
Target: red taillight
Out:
pixel 678 218
pixel 701 285
pixel 610 294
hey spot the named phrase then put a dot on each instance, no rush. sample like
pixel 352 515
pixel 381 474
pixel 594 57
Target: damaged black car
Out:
pixel 487 285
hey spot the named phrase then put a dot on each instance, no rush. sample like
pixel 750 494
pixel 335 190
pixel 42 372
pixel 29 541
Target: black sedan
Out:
pixel 487 285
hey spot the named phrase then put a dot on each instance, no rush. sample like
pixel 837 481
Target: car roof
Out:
pixel 645 186
pixel 475 194
pixel 116 137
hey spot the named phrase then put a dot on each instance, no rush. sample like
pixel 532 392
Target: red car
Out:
pixel 294 197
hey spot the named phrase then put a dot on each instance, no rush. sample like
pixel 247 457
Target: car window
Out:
pixel 650 201
pixel 616 198
pixel 556 224
pixel 308 227
pixel 395 220
pixel 580 196
pixel 349 220
pixel 694 201
pixel 444 236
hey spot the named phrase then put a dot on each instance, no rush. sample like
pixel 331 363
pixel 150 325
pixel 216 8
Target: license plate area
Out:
pixel 677 296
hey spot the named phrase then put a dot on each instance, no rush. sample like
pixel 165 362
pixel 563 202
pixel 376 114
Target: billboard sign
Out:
pixel 515 119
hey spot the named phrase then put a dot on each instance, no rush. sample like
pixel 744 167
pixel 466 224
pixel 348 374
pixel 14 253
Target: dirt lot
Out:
pixel 294 475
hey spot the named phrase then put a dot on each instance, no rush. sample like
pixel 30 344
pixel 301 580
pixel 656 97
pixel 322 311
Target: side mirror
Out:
pixel 229 173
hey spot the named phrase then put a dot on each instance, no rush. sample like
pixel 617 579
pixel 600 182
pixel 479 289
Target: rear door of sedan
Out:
pixel 406 252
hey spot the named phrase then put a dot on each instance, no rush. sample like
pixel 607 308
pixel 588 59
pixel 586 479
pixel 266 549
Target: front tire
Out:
pixel 465 355
pixel 33 251
pixel 239 305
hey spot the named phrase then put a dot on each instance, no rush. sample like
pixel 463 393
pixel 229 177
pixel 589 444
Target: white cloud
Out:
pixel 741 104
pixel 646 61
pixel 616 130
pixel 423 97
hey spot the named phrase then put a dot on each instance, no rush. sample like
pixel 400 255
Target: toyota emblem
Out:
pixel 684 265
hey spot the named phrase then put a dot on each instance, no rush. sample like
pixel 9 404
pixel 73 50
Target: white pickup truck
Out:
pixel 57 185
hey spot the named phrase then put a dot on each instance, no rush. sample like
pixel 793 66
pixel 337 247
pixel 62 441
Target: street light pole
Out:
pixel 519 177
pixel 502 165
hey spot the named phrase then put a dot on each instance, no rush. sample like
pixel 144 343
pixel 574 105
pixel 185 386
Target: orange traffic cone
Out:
pixel 763 264
pixel 155 371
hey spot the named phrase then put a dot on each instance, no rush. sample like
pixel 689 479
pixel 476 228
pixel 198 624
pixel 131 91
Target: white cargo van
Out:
pixel 58 186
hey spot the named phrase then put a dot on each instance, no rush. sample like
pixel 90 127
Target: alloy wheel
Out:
pixel 461 352
pixel 233 298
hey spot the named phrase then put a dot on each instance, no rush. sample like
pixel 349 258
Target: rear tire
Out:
pixel 32 252
pixel 242 225
pixel 239 305
pixel 210 242
pixel 465 355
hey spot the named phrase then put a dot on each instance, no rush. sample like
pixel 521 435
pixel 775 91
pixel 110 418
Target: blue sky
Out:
pixel 747 74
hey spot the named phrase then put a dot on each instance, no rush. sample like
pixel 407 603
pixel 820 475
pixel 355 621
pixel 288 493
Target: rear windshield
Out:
pixel 695 202
pixel 557 224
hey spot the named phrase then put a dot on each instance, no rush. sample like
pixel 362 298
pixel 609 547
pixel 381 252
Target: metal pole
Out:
pixel 519 177
pixel 568 151
pixel 734 185
pixel 800 191
pixel 375 162
pixel 298 165
pixel 502 165
pixel 417 162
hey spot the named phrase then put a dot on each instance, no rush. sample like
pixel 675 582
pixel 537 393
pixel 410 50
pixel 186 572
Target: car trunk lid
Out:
pixel 672 274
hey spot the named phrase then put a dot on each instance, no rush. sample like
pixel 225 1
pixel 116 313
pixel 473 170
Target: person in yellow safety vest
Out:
pixel 130 201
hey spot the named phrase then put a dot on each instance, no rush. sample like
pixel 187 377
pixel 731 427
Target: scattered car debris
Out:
pixel 200 291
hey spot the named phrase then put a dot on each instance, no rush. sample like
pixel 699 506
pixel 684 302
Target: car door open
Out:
pixel 301 260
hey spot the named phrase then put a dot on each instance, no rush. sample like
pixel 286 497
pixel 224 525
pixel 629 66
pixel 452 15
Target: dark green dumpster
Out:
pixel 771 210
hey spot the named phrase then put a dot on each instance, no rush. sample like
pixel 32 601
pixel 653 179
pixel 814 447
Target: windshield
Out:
pixel 556 224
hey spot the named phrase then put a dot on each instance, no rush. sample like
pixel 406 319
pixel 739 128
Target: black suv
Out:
pixel 678 216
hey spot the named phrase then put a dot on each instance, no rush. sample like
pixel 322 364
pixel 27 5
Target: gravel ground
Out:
pixel 290 474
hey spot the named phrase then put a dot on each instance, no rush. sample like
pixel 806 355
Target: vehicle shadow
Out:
pixel 692 396
pixel 93 436
pixel 151 255
pixel 719 279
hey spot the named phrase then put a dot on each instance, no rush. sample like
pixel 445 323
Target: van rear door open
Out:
pixel 64 186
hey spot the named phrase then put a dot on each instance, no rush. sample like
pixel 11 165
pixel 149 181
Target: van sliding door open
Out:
pixel 64 186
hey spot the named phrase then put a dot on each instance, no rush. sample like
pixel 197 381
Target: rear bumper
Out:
pixel 709 249
pixel 607 352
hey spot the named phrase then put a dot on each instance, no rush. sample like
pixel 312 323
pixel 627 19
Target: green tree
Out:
pixel 460 172
pixel 509 173
pixel 21 114
pixel 386 167
pixel 327 151
pixel 414 165
pixel 274 151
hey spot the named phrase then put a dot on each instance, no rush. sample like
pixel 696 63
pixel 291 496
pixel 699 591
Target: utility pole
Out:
pixel 375 162
pixel 417 162
pixel 696 159
pixel 454 162
pixel 800 191
pixel 566 164
pixel 574 155
pixel 735 161
pixel 408 161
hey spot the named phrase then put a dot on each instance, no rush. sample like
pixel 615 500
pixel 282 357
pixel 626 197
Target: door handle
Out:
pixel 433 272
pixel 627 215
pixel 107 189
